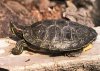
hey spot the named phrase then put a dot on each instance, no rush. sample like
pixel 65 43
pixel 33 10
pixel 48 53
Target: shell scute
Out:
pixel 59 35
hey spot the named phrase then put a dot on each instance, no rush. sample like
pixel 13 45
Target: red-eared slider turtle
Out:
pixel 54 36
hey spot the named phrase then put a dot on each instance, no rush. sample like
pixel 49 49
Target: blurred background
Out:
pixel 27 12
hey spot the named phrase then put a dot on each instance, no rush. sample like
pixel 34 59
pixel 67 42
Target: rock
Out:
pixel 5 17
pixel 9 12
pixel 96 12
pixel 87 61
pixel 20 11
pixel 3 43
pixel 2 51
pixel 80 15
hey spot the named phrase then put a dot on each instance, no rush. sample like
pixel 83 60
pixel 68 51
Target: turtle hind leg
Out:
pixel 20 46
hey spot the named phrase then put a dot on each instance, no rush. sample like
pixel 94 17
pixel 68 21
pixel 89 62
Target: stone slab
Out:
pixel 30 61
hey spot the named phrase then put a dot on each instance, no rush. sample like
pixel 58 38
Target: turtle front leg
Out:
pixel 20 46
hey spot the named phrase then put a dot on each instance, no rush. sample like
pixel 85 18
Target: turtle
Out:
pixel 53 36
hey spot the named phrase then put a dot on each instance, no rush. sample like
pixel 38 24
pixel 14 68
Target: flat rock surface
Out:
pixel 30 61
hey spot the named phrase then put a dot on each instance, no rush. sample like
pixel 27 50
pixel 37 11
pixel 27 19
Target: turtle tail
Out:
pixel 16 30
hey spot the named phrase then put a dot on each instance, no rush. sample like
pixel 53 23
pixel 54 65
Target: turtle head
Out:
pixel 17 29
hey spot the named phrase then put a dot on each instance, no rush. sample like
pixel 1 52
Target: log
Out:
pixel 31 61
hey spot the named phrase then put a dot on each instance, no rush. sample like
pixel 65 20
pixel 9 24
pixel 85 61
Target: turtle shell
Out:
pixel 59 35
